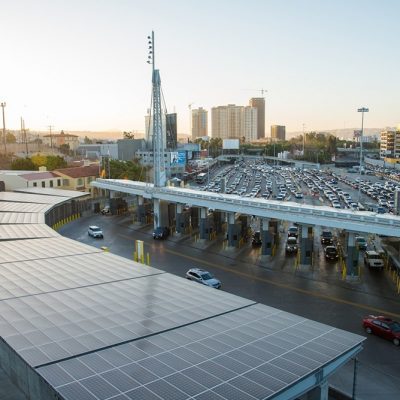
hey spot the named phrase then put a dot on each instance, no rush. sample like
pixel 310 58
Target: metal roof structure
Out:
pixel 9 206
pixel 21 218
pixel 26 231
pixel 33 198
pixel 71 194
pixel 79 323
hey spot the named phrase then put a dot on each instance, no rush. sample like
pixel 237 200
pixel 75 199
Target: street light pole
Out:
pixel 362 110
pixel 4 129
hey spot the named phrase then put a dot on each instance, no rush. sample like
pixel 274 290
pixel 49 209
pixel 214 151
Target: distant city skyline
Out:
pixel 82 65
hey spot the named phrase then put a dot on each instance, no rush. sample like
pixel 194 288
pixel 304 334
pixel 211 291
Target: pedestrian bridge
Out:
pixel 355 221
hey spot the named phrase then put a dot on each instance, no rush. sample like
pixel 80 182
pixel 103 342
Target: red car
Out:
pixel 383 326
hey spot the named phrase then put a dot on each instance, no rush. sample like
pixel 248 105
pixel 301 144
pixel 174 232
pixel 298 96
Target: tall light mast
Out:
pixel 158 137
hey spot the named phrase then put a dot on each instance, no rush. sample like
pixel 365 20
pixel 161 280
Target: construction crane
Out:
pixel 262 91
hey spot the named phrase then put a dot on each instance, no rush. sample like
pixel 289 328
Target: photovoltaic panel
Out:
pixel 187 370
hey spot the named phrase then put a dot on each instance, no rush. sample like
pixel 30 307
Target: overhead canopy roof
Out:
pixel 6 206
pixel 53 192
pixel 33 198
pixel 35 249
pixel 21 218
pixel 26 231
pixel 98 326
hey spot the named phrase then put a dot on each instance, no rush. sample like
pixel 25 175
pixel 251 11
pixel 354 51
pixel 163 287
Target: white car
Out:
pixel 95 231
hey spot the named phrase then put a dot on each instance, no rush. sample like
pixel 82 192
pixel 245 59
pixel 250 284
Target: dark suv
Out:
pixel 256 240
pixel 161 232
pixel 331 253
pixel 326 237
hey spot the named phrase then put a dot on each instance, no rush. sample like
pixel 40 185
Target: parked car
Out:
pixel 95 231
pixel 326 237
pixel 298 195
pixel 204 277
pixel 106 210
pixel 161 232
pixel 372 259
pixel 293 231
pixel 256 240
pixel 291 245
pixel 382 326
pixel 331 253
pixel 361 243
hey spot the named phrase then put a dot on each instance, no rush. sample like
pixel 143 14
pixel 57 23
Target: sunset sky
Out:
pixel 81 64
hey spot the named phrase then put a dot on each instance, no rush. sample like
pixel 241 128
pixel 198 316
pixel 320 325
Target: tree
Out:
pixel 65 149
pixel 55 162
pixel 86 140
pixel 127 170
pixel 23 164
pixel 10 138
pixel 129 135
pixel 39 160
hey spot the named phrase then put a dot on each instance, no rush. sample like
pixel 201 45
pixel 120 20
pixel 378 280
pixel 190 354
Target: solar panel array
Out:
pixel 26 231
pixel 97 326
pixel 251 353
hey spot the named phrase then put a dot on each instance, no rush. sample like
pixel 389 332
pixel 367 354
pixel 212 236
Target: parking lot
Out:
pixel 339 188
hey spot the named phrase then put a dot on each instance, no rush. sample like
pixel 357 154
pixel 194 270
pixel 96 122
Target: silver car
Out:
pixel 204 277
pixel 95 231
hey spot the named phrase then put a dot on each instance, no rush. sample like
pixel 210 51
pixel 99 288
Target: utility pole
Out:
pixel 51 136
pixel 304 142
pixel 4 129
pixel 362 111
pixel 24 136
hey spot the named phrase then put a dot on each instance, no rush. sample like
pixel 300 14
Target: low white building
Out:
pixel 25 179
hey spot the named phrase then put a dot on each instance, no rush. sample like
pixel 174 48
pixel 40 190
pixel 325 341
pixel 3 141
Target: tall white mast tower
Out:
pixel 158 137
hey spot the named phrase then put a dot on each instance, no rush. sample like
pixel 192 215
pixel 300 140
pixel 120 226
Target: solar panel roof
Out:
pixel 34 249
pixel 31 198
pixel 30 277
pixel 26 231
pixel 6 206
pixel 53 192
pixel 98 326
pixel 21 218
pixel 250 353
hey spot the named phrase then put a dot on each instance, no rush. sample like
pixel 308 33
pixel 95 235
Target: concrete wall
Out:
pixel 24 376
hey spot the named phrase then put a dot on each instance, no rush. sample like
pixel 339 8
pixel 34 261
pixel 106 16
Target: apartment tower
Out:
pixel 259 103
pixel 278 133
pixel 199 123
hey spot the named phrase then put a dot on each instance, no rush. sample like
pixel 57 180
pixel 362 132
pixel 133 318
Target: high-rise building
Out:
pixel 278 133
pixel 390 144
pixel 233 121
pixel 171 126
pixel 250 123
pixel 199 123
pixel 259 103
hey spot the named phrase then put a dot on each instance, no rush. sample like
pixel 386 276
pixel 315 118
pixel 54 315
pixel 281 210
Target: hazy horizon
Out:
pixel 82 65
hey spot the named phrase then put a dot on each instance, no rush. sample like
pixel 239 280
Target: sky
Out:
pixel 81 64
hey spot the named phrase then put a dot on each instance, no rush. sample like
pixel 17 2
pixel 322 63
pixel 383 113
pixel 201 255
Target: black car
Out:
pixel 293 231
pixel 161 232
pixel 256 240
pixel 331 253
pixel 326 237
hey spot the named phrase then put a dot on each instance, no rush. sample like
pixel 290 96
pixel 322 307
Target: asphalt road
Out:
pixel 317 294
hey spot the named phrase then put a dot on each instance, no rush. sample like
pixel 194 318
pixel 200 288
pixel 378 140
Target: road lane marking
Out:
pixel 278 284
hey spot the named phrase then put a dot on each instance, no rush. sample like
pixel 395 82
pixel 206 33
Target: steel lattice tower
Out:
pixel 158 137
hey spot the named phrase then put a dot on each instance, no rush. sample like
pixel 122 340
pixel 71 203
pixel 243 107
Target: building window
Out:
pixel 58 182
pixel 80 182
pixel 65 182
pixel 43 184
pixel 34 184
pixel 51 183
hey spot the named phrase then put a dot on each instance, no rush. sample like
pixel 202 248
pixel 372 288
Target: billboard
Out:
pixel 178 158
pixel 230 144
